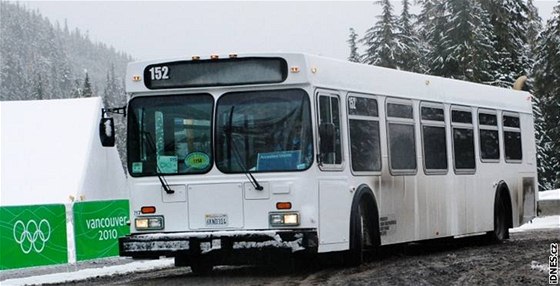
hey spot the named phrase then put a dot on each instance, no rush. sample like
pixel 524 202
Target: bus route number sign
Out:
pixel 159 72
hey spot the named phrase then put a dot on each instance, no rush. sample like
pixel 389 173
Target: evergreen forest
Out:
pixel 491 42
pixel 485 41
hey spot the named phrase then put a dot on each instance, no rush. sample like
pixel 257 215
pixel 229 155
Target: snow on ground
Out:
pixel 549 195
pixel 539 223
pixel 146 265
pixel 135 266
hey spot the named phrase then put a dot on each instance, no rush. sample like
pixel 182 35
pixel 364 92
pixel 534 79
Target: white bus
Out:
pixel 232 159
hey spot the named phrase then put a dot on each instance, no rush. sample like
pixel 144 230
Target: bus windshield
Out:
pixel 264 131
pixel 170 134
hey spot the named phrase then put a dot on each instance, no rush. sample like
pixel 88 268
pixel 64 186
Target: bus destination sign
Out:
pixel 204 73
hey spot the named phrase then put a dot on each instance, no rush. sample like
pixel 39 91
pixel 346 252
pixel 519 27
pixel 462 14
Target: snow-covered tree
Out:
pixel 534 27
pixel 433 23
pixel 379 40
pixel 354 55
pixel 30 45
pixel 408 44
pixel 467 41
pixel 547 89
pixel 87 90
pixel 509 21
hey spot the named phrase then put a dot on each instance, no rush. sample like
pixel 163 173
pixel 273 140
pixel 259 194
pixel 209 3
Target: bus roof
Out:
pixel 328 73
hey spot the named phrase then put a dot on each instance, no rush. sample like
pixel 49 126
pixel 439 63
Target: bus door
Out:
pixel 333 185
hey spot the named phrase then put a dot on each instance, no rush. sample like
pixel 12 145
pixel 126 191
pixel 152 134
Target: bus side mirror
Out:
pixel 107 132
pixel 327 138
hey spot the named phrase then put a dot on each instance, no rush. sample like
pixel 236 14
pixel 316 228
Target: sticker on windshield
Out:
pixel 167 164
pixel 137 167
pixel 197 160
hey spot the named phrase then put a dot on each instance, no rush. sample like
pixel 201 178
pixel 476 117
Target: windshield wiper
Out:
pixel 229 132
pixel 161 178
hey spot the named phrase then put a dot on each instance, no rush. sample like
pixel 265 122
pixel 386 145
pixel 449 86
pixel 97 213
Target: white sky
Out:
pixel 157 29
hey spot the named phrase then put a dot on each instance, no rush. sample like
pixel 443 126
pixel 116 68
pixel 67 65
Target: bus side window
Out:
pixel 512 138
pixel 401 138
pixel 463 141
pixel 365 149
pixel 489 141
pixel 434 141
pixel 329 112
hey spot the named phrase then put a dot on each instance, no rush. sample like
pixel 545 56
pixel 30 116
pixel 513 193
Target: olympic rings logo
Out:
pixel 32 236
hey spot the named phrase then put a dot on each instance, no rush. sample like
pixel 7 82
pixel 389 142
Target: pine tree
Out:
pixel 547 89
pixel 379 40
pixel 534 28
pixel 87 90
pixel 38 90
pixel 408 51
pixel 433 22
pixel 468 49
pixel 354 55
pixel 510 23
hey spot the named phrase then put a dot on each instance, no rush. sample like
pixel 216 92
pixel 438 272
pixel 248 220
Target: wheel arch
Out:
pixel 364 192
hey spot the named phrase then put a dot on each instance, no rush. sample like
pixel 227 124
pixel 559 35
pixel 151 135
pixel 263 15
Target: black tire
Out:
pixel 355 255
pixel 364 230
pixel 501 229
pixel 201 266
pixel 181 261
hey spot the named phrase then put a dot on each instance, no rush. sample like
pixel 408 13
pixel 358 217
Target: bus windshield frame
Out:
pixel 264 131
pixel 256 131
pixel 170 135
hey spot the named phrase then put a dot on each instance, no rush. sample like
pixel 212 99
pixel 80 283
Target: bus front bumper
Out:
pixel 154 245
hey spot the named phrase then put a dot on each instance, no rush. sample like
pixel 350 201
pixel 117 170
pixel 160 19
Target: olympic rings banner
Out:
pixel 32 236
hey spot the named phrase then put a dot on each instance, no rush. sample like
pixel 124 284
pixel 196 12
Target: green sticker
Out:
pixel 197 160
pixel 137 167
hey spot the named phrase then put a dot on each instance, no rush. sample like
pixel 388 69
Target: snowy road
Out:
pixel 522 260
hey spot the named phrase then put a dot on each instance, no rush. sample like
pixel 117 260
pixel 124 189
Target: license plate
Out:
pixel 216 220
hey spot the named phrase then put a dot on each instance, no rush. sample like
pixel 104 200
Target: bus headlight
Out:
pixel 149 223
pixel 284 219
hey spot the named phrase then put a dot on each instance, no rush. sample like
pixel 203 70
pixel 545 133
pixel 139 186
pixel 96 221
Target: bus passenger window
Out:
pixel 365 147
pixel 400 131
pixel 434 139
pixel 512 138
pixel 489 142
pixel 463 141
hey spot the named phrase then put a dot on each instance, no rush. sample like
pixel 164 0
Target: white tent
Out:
pixel 50 152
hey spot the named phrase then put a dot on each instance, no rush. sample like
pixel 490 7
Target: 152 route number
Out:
pixel 159 73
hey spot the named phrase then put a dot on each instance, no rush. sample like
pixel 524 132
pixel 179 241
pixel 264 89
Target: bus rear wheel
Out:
pixel 501 229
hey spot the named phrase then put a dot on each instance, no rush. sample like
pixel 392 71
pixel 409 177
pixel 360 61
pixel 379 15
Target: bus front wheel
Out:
pixel 201 266
pixel 364 229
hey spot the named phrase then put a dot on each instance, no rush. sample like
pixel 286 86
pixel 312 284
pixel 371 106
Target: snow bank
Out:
pixel 50 152
pixel 549 195
pixel 83 274
pixel 540 223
